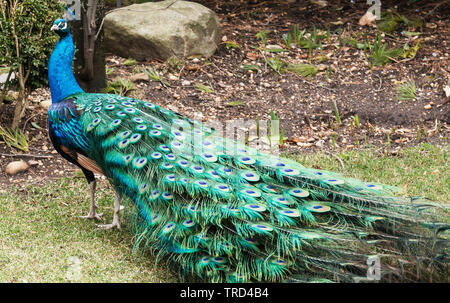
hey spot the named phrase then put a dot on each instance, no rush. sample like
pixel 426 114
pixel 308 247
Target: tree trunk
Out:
pixel 89 65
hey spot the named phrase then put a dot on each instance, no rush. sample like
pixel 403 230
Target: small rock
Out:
pixel 186 83
pixel 16 167
pixel 45 104
pixel 321 3
pixel 33 162
pixel 428 106
pixel 173 77
pixel 304 144
pixel 222 85
pixel 319 143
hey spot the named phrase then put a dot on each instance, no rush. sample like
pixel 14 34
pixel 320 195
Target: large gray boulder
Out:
pixel 161 30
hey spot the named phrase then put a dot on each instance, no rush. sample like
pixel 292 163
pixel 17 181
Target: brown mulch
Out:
pixel 304 105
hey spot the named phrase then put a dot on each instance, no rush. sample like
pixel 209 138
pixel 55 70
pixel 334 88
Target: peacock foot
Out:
pixel 93 216
pixel 109 226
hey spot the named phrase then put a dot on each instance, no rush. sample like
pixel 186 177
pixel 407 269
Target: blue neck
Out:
pixel 60 75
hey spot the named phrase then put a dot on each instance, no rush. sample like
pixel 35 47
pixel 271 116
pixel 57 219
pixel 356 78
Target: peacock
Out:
pixel 221 211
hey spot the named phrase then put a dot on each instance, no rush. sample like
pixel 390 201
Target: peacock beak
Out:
pixel 54 27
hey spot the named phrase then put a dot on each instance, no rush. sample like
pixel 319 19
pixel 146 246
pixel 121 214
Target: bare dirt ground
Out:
pixel 303 105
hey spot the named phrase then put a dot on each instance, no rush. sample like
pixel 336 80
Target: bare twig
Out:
pixel 435 8
pixel 173 2
pixel 26 155
pixel 337 158
pixel 435 127
pixel 381 82
pixel 315 85
pixel 26 122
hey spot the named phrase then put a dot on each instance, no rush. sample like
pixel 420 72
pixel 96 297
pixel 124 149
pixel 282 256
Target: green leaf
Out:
pixel 35 125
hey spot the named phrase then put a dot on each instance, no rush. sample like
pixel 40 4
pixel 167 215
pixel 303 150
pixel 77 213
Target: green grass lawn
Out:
pixel 43 239
pixel 423 170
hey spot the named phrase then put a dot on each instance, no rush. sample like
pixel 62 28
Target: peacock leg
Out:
pixel 116 218
pixel 93 209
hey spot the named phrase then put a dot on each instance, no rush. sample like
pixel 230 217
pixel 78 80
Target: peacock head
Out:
pixel 60 27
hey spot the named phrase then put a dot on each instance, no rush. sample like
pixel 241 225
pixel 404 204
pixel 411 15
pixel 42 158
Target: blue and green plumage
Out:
pixel 223 211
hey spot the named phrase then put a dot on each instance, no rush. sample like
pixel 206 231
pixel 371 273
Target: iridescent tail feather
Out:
pixel 222 211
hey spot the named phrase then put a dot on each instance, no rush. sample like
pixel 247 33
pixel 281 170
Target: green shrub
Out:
pixel 26 43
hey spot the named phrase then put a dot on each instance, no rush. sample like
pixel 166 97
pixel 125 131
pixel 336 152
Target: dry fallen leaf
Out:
pixel 193 67
pixel 405 187
pixel 141 76
pixel 339 22
pixel 447 90
pixel 252 56
pixel 367 19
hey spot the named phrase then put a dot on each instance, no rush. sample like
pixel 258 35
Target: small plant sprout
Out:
pixel 153 75
pixel 130 62
pixel 406 90
pixel 119 86
pixel 250 67
pixel 298 35
pixel 276 64
pixel 235 103
pixel 203 88
pixel 336 113
pixel 232 44
pixel 262 35
pixel 304 70
pixel 109 70
pixel 356 119
pixel 175 63
pixel 274 132
pixel 380 55
pixel 287 38
pixel 14 138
